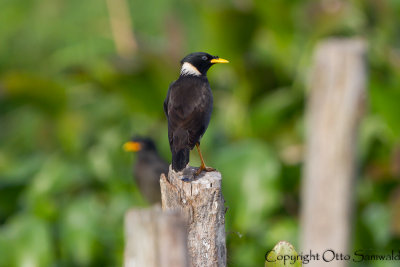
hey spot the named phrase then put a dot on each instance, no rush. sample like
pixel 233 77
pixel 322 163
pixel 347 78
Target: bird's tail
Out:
pixel 180 150
pixel 180 159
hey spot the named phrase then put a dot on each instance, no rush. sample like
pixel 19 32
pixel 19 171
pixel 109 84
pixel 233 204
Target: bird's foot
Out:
pixel 209 169
pixel 204 168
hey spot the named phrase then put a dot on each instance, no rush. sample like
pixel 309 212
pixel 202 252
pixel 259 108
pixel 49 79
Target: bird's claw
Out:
pixel 204 168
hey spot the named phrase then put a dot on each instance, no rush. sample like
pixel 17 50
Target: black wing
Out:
pixel 189 106
pixel 166 100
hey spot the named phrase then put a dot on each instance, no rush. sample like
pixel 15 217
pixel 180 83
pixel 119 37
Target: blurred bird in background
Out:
pixel 147 168
pixel 188 107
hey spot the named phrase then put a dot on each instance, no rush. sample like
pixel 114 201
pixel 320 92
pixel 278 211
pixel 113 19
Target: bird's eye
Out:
pixel 204 57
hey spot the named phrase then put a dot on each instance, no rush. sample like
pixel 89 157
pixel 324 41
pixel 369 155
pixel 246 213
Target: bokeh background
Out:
pixel 78 78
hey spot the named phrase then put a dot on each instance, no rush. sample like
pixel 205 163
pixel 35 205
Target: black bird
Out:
pixel 147 168
pixel 188 107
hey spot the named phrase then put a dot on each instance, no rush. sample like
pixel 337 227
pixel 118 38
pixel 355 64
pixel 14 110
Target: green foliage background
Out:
pixel 68 101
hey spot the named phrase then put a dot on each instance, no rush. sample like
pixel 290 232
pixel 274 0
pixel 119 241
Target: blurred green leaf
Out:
pixel 26 241
pixel 24 88
pixel 250 172
pixel 79 230
pixel 384 101
pixel 283 254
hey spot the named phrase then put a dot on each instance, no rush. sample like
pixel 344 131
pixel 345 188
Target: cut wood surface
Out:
pixel 201 202
pixel 154 238
pixel 335 106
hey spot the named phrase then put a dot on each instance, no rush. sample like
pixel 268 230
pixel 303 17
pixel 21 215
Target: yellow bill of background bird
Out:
pixel 132 146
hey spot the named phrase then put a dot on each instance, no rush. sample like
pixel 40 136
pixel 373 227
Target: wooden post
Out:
pixel 202 204
pixel 335 106
pixel 155 238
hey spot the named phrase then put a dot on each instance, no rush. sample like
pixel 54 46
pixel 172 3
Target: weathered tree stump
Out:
pixel 335 106
pixel 201 202
pixel 155 238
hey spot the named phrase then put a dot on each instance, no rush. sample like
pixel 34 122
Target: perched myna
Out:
pixel 188 107
pixel 147 168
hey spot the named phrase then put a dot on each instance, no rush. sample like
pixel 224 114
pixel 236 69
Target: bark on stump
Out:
pixel 201 202
pixel 335 107
pixel 154 238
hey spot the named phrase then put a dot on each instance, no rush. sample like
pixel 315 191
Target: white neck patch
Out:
pixel 189 69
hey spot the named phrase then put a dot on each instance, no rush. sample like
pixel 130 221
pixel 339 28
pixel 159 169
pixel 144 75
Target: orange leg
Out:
pixel 203 165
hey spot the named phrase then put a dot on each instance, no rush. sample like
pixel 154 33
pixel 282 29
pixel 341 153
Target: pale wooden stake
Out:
pixel 335 106
pixel 154 238
pixel 202 204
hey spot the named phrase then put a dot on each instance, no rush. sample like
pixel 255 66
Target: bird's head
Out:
pixel 197 64
pixel 137 144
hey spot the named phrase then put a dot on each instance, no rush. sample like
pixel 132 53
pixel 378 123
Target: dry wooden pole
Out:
pixel 335 106
pixel 155 238
pixel 202 204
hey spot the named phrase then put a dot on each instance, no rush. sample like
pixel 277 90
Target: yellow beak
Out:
pixel 132 146
pixel 219 60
